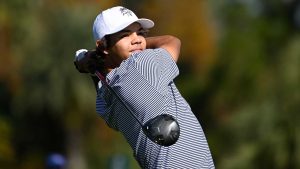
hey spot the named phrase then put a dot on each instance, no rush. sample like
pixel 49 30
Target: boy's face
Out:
pixel 127 41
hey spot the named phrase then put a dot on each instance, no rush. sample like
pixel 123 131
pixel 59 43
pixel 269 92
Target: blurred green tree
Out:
pixel 256 86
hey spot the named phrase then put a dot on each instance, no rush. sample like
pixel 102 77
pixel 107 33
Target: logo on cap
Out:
pixel 126 11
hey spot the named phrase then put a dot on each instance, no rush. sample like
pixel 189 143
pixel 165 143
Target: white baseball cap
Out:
pixel 115 19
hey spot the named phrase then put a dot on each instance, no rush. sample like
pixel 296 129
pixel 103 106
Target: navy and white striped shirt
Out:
pixel 145 82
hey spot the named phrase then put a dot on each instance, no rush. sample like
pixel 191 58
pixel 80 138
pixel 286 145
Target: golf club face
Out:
pixel 162 129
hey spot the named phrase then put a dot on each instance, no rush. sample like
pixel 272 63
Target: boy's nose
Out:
pixel 135 38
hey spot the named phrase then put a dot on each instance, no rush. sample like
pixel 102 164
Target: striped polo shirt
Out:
pixel 145 82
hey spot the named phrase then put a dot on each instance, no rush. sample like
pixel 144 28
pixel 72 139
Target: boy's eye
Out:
pixel 124 35
pixel 143 33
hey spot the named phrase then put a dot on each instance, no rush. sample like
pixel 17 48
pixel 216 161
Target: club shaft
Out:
pixel 103 80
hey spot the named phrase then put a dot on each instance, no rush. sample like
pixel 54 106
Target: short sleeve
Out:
pixel 104 106
pixel 157 66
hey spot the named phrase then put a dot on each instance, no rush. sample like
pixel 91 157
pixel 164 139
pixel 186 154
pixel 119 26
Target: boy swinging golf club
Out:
pixel 136 94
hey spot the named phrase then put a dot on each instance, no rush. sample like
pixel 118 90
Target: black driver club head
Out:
pixel 162 129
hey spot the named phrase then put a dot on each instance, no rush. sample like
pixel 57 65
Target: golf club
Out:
pixel 162 129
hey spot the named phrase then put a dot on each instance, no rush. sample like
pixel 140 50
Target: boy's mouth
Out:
pixel 136 51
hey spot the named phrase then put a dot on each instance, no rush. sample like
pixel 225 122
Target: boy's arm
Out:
pixel 95 81
pixel 168 42
pixel 85 63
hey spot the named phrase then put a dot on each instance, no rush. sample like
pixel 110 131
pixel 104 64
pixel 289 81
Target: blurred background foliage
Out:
pixel 239 68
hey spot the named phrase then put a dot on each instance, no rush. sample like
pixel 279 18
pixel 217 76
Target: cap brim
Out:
pixel 145 23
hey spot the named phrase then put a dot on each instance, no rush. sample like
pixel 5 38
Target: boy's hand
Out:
pixel 86 61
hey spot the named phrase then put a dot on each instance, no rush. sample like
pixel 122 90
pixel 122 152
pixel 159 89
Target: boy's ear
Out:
pixel 101 44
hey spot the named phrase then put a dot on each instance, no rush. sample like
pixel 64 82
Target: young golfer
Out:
pixel 141 70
